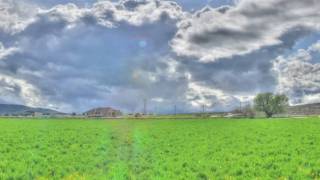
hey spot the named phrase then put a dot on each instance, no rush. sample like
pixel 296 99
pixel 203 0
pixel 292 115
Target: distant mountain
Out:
pixel 17 110
pixel 305 109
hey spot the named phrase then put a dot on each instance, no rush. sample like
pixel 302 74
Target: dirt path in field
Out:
pixel 128 147
pixel 121 150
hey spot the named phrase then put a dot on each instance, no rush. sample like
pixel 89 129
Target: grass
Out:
pixel 160 149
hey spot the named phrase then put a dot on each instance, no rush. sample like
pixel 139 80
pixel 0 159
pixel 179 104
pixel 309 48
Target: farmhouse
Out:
pixel 106 112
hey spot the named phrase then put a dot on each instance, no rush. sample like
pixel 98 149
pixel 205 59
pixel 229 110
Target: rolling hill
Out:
pixel 15 110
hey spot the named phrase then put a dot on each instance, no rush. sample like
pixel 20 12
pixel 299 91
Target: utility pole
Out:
pixel 145 106
pixel 155 110
pixel 203 110
pixel 175 110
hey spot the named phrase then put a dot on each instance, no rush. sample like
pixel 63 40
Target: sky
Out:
pixel 74 55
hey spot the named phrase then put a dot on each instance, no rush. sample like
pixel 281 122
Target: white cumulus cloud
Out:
pixel 224 32
pixel 299 75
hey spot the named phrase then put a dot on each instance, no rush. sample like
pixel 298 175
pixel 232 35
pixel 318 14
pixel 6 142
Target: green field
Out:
pixel 160 149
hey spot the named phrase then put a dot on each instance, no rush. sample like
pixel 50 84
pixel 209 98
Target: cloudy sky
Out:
pixel 73 55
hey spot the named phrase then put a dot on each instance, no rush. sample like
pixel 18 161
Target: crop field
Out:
pixel 160 149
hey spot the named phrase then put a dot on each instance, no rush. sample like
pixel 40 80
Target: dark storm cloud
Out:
pixel 132 5
pixel 243 74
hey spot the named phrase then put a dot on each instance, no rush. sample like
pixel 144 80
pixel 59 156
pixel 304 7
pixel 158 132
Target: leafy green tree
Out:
pixel 270 103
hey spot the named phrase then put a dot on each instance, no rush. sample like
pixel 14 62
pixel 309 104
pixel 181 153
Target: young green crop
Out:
pixel 160 149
